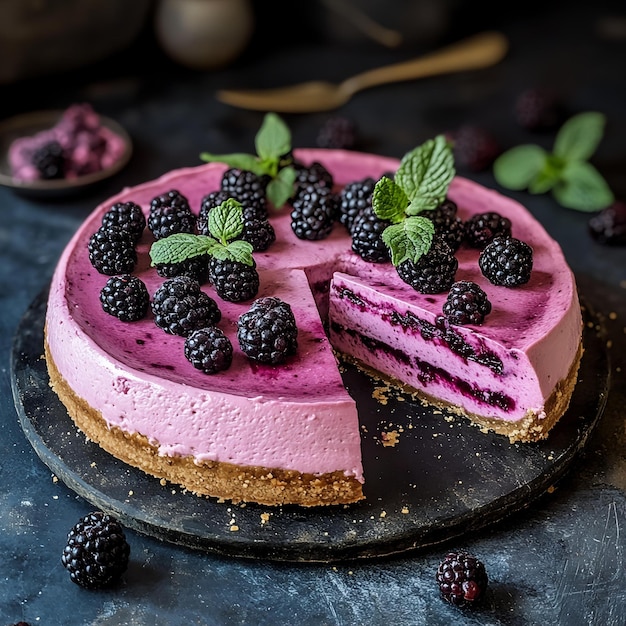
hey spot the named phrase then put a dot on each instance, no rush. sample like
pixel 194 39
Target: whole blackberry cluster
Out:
pixel 475 148
pixel 125 297
pixel 49 160
pixel 354 198
pixel 608 226
pixel 234 281
pixel 462 578
pixel 448 225
pixel 180 307
pixel 482 228
pixel 466 303
pixel 209 350
pixel 367 240
pixel 313 213
pixel 208 202
pixel 313 175
pixel 96 553
pixel 538 108
pixel 112 251
pixel 267 332
pixel 169 214
pixel 128 216
pixel 246 187
pixel 337 133
pixel 196 267
pixel 506 261
pixel 434 271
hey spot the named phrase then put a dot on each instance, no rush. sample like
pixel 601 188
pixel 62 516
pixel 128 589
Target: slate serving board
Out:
pixel 442 478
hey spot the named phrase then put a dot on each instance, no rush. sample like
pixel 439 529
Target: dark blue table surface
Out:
pixel 561 561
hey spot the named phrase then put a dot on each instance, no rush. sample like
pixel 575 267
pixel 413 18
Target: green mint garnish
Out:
pixel 272 144
pixel 225 223
pixel 421 184
pixel 566 172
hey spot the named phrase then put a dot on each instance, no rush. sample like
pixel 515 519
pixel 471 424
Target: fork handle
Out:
pixel 477 51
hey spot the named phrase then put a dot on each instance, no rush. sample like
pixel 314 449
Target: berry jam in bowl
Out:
pixel 55 153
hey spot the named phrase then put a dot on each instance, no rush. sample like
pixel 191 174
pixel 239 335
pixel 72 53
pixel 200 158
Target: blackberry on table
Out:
pixel 481 228
pixel 112 251
pixel 608 226
pixel 367 240
pixel 234 281
pixel 475 148
pixel 125 297
pixel 313 175
pixel 506 261
pixel 355 197
pixel 96 553
pixel 196 267
pixel 466 303
pixel 180 307
pixel 246 187
pixel 447 223
pixel 538 108
pixel 128 216
pixel 337 133
pixel 313 213
pixel 209 350
pixel 434 271
pixel 267 332
pixel 462 578
pixel 169 214
pixel 49 160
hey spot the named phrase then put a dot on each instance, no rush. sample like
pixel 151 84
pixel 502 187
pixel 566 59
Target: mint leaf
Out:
pixel 226 220
pixel 409 239
pixel 180 246
pixel 583 188
pixel 240 251
pixel 280 189
pixel 425 174
pixel 518 167
pixel 579 136
pixel 389 200
pixel 273 139
pixel 246 162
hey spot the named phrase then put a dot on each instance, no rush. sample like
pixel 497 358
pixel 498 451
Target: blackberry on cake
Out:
pixel 608 226
pixel 170 213
pixel 96 553
pixel 267 332
pixel 50 161
pixel 125 297
pixel 209 350
pixel 355 197
pixel 313 212
pixel 507 262
pixel 482 228
pixel 208 202
pixel 112 251
pixel 196 267
pixel 434 271
pixel 234 280
pixel 366 234
pixel 246 187
pixel 462 578
pixel 312 175
pixel 448 225
pixel 128 216
pixel 180 307
pixel 466 303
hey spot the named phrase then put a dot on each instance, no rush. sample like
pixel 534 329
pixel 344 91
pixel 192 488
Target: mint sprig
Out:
pixel 421 184
pixel 272 144
pixel 225 224
pixel 565 171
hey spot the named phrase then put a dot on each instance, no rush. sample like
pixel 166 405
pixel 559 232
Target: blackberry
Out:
pixel 96 553
pixel 180 307
pixel 49 160
pixel 196 267
pixel 475 148
pixel 448 224
pixel 128 216
pixel 434 271
pixel 354 198
pixel 112 251
pixel 267 332
pixel 125 297
pixel 246 187
pixel 466 303
pixel 481 228
pixel 462 578
pixel 209 350
pixel 506 261
pixel 608 226
pixel 234 281
pixel 313 213
pixel 367 240
pixel 307 176
pixel 170 213
pixel 258 232
pixel 337 133
pixel 208 202
pixel 538 108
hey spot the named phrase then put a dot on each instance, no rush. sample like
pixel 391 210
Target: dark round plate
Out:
pixel 443 478
pixel 30 123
